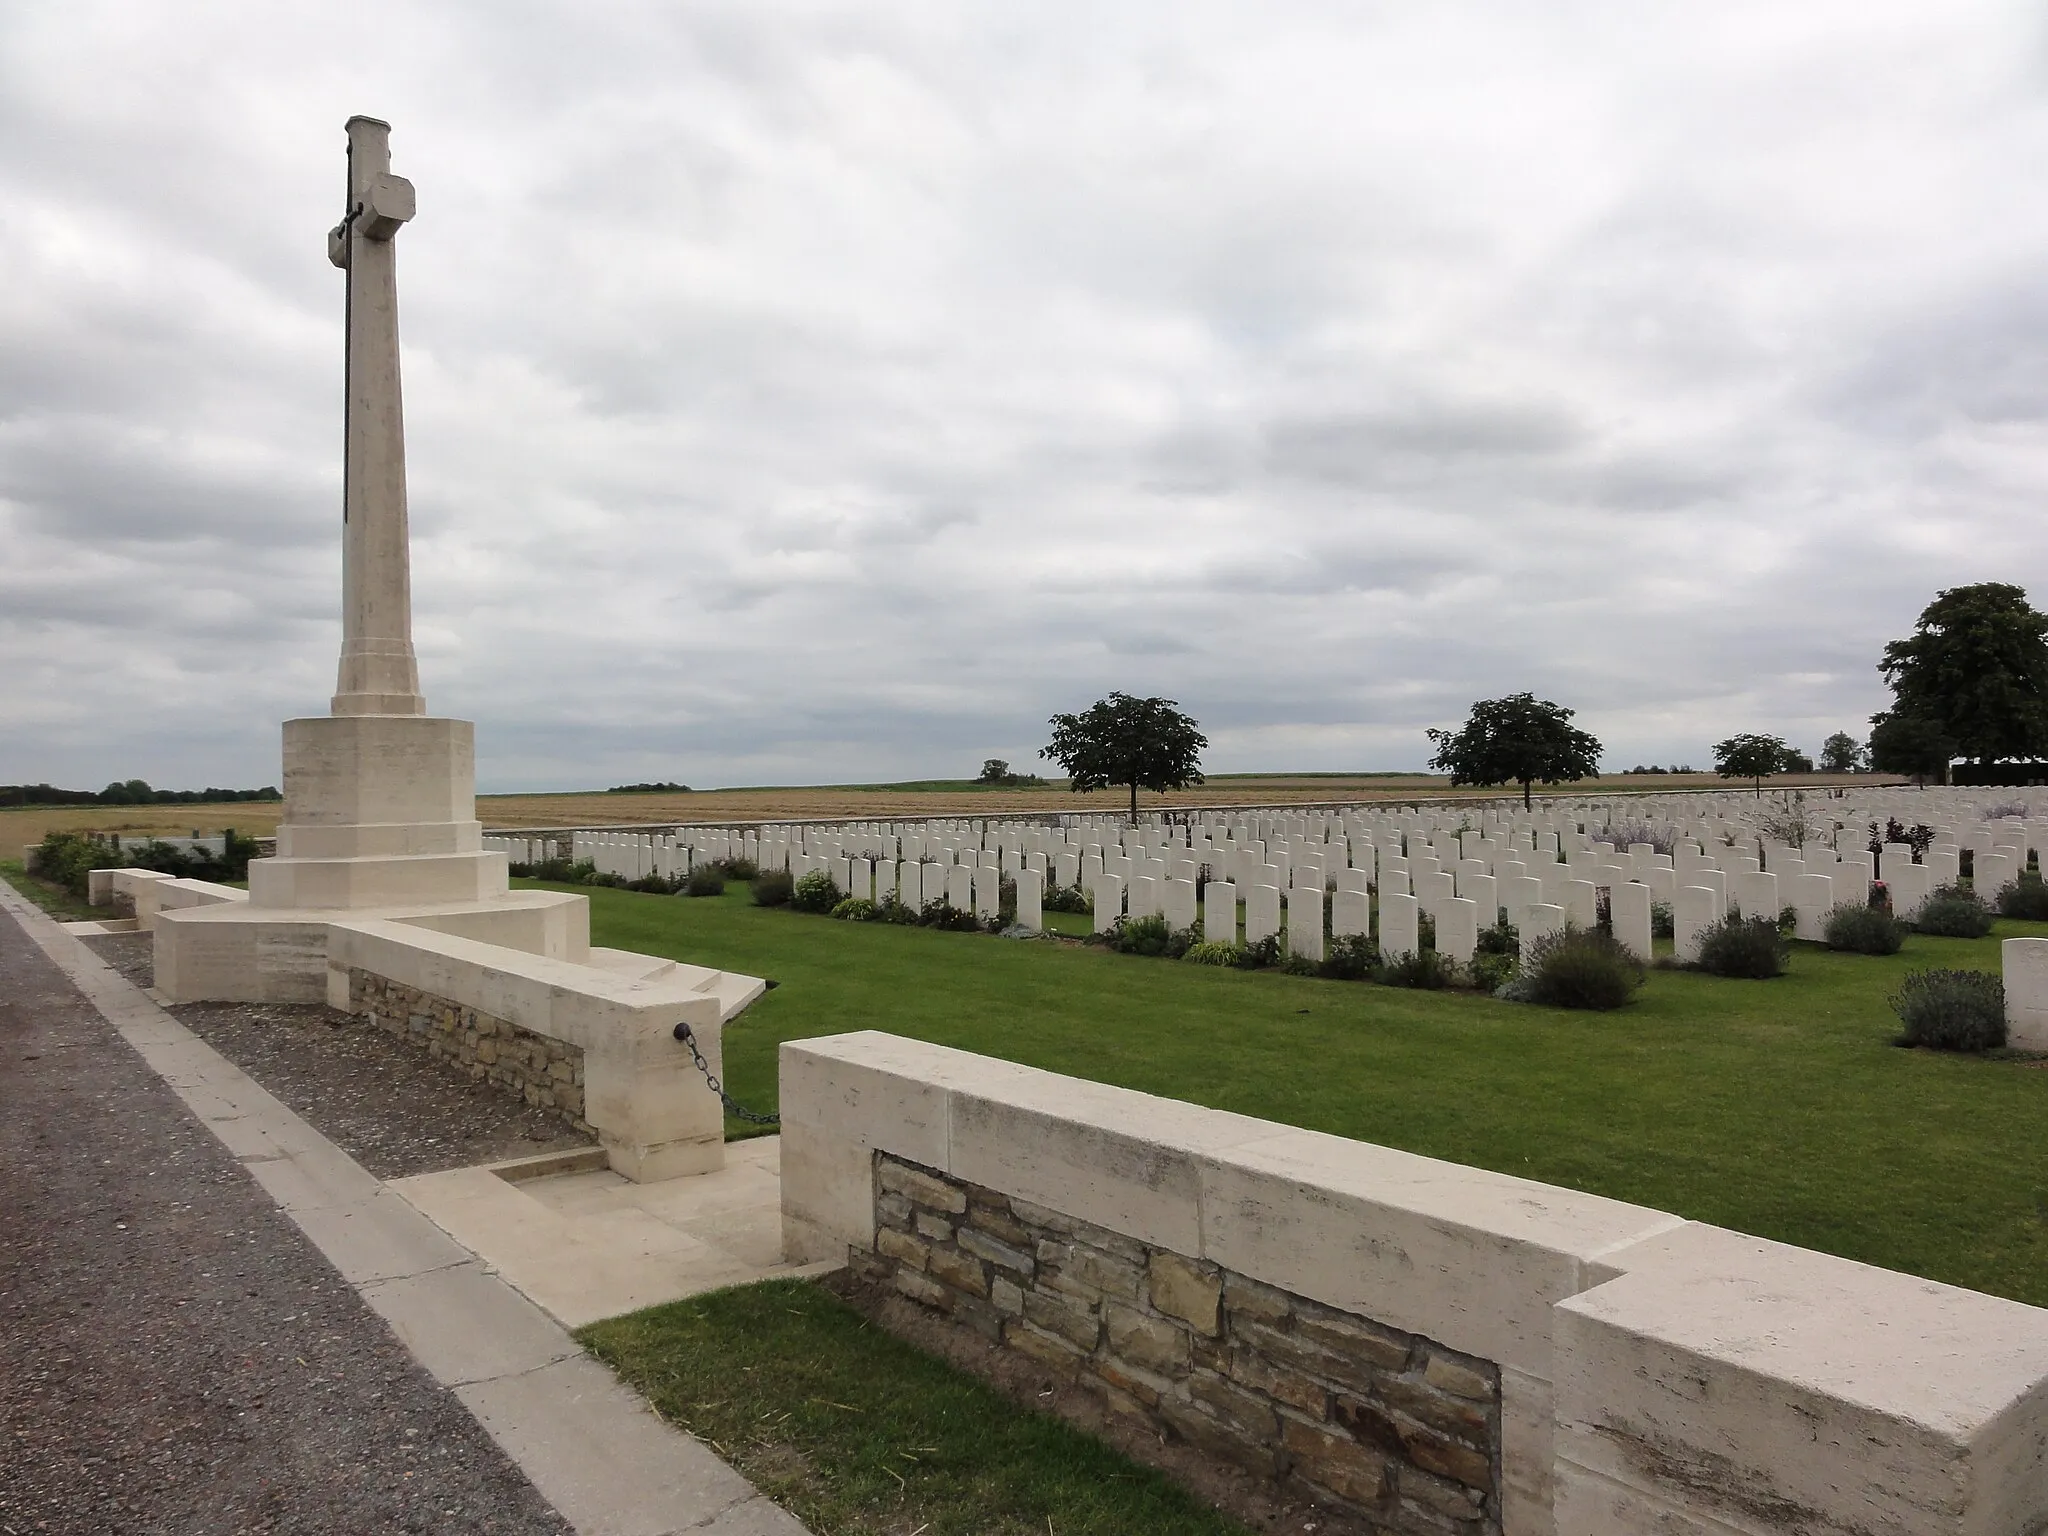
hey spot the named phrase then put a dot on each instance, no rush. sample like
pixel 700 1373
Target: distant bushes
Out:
pixel 1954 912
pixel 69 858
pixel 1951 1010
pixel 1864 930
pixel 1750 948
pixel 2026 899
pixel 815 892
pixel 1580 968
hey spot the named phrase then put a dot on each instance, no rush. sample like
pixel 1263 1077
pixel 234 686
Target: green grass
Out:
pixel 1777 1108
pixel 854 1431
pixel 53 899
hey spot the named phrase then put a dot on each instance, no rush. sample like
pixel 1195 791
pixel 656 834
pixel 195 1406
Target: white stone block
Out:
pixel 1483 891
pixel 987 882
pixel 1108 896
pixel 1400 925
pixel 1143 898
pixel 1628 906
pixel 1725 1383
pixel 959 886
pixel 1518 893
pixel 1177 904
pixel 2025 966
pixel 1756 895
pixel 1698 908
pixel 1219 912
pixel 1581 902
pixel 1305 922
pixel 1812 898
pixel 1350 913
pixel 1457 929
pixel 1909 886
pixel 1031 900
pixel 1261 913
pixel 1539 921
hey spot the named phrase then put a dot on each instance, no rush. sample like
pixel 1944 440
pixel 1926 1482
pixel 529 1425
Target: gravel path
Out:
pixel 174 1356
pixel 392 1108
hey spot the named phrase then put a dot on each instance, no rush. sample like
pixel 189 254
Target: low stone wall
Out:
pixel 546 1074
pixel 1653 1374
pixel 1388 1424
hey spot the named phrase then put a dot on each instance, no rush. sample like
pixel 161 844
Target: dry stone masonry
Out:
pixel 543 1073
pixel 1368 1418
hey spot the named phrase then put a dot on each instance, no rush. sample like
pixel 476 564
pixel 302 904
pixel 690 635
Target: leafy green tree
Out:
pixel 1841 753
pixel 1976 669
pixel 1910 744
pixel 1516 740
pixel 1757 757
pixel 1145 743
pixel 994 771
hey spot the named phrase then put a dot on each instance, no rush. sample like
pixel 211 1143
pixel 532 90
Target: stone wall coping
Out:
pixel 1915 1350
pixel 589 1006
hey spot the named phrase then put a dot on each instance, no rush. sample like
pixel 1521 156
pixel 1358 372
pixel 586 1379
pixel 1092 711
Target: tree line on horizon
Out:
pixel 128 792
pixel 1970 683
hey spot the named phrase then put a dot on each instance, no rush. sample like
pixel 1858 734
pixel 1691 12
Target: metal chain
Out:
pixel 733 1106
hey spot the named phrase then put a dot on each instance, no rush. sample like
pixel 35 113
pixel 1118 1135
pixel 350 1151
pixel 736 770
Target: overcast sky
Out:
pixel 823 393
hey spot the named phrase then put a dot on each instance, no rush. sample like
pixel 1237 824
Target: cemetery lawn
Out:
pixel 53 899
pixel 1778 1108
pixel 853 1431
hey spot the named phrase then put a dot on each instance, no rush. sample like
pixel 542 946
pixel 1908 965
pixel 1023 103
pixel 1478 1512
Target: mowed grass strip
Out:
pixel 859 1434
pixel 53 899
pixel 1777 1108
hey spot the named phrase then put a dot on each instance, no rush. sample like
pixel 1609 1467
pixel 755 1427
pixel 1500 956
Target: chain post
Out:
pixel 733 1107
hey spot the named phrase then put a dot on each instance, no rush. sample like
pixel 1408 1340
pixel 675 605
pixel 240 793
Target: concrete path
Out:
pixel 590 1446
pixel 583 1246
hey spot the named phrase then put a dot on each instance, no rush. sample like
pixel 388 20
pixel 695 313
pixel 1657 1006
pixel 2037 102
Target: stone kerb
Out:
pixel 2024 963
pixel 641 1092
pixel 1619 1402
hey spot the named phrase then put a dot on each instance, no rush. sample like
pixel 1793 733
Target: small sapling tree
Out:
pixel 1516 740
pixel 1143 743
pixel 1756 757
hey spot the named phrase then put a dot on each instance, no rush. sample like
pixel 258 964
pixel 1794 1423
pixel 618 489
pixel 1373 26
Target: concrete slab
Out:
pixel 590 1245
pixel 588 1442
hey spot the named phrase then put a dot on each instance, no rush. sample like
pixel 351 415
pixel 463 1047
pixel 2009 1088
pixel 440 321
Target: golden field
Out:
pixel 20 826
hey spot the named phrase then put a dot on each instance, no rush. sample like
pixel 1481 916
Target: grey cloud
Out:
pixel 835 393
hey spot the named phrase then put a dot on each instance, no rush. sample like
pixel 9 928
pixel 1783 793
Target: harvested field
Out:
pixel 879 801
pixel 23 825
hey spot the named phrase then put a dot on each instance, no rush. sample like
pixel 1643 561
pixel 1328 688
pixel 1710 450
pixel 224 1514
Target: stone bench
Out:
pixel 1405 1334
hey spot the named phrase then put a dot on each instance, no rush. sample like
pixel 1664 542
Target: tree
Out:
pixel 1909 744
pixel 1975 668
pixel 1756 757
pixel 1145 743
pixel 1516 740
pixel 994 771
pixel 1840 753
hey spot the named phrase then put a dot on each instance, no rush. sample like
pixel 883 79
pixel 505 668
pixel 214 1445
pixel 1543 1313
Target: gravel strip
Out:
pixel 394 1109
pixel 174 1355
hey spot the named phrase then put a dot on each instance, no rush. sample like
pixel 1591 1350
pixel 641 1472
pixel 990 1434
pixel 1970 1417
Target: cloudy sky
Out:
pixel 805 392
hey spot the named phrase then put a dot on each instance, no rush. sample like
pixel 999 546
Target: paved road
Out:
pixel 174 1355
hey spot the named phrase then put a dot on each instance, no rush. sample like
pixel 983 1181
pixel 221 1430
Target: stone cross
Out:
pixel 379 674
